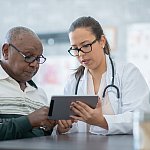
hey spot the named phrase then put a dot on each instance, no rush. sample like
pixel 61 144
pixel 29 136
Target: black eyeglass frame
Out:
pixel 80 49
pixel 28 58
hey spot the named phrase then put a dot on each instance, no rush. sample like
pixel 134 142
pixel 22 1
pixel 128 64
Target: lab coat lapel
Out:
pixel 112 93
pixel 83 84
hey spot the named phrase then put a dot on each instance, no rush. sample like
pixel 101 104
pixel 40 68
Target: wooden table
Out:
pixel 75 141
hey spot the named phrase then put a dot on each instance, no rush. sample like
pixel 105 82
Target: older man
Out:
pixel 23 108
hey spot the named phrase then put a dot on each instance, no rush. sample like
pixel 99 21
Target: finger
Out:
pixel 65 123
pixel 76 118
pixel 83 105
pixel 44 110
pixel 72 120
pixel 98 105
pixel 60 124
pixel 68 123
pixel 80 116
pixel 80 109
pixel 52 122
pixel 76 111
pixel 48 124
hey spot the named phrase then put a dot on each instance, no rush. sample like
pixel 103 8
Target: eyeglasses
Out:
pixel 85 49
pixel 30 59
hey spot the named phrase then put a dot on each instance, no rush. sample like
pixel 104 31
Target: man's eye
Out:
pixel 28 57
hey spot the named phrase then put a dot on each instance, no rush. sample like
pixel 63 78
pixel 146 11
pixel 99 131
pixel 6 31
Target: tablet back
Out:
pixel 60 105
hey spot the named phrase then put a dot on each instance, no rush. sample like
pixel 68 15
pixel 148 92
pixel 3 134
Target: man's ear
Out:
pixel 5 51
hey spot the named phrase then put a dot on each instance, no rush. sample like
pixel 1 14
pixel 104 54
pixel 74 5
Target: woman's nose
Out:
pixel 81 53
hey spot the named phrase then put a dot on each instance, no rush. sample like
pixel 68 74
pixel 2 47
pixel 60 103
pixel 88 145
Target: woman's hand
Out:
pixel 87 114
pixel 64 125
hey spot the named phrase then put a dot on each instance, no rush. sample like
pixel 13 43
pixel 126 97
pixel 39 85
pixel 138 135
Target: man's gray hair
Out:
pixel 13 33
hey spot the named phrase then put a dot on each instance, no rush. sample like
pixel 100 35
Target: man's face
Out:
pixel 17 67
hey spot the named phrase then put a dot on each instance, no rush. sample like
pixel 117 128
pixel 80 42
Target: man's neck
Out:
pixel 22 85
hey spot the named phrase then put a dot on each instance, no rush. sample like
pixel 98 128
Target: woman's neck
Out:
pixel 97 75
pixel 97 72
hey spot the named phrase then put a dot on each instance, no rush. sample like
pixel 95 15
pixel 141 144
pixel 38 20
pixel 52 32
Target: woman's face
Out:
pixel 82 37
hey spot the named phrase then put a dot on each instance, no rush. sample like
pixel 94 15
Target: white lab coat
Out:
pixel 134 95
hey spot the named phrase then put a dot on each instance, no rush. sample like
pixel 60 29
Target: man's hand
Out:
pixel 39 118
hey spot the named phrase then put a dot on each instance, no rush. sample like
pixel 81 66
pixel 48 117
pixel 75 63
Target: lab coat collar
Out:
pixel 83 83
pixel 109 70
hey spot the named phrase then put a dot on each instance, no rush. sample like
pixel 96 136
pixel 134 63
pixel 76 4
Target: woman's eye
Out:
pixel 85 46
pixel 74 48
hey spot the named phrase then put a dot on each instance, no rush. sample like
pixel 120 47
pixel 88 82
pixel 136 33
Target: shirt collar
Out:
pixel 3 74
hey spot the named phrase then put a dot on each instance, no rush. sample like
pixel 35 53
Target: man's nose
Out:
pixel 34 63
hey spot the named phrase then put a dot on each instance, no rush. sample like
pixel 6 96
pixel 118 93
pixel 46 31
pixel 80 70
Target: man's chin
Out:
pixel 27 78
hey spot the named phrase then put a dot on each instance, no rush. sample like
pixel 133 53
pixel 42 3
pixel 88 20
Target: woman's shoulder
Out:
pixel 71 77
pixel 128 70
pixel 70 80
pixel 124 65
pixel 70 85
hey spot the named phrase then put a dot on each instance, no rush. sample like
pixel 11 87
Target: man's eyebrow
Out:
pixel 28 50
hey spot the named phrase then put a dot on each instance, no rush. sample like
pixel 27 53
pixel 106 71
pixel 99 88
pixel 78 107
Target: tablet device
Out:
pixel 60 105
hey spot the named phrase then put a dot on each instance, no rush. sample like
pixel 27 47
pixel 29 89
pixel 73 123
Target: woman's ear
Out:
pixel 103 41
pixel 5 51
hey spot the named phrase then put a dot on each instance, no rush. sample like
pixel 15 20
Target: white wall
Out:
pixel 54 16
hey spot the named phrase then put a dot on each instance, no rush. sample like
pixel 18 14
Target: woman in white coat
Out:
pixel 120 86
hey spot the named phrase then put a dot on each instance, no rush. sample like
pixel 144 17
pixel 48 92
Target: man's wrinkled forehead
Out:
pixel 25 39
pixel 23 36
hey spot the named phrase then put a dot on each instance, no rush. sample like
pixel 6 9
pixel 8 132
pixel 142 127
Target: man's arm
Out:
pixel 27 126
pixel 15 128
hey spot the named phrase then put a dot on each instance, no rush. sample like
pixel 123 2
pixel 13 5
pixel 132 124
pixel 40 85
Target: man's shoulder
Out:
pixel 3 74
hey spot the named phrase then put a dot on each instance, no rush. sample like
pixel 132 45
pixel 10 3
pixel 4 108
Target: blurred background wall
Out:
pixel 126 25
